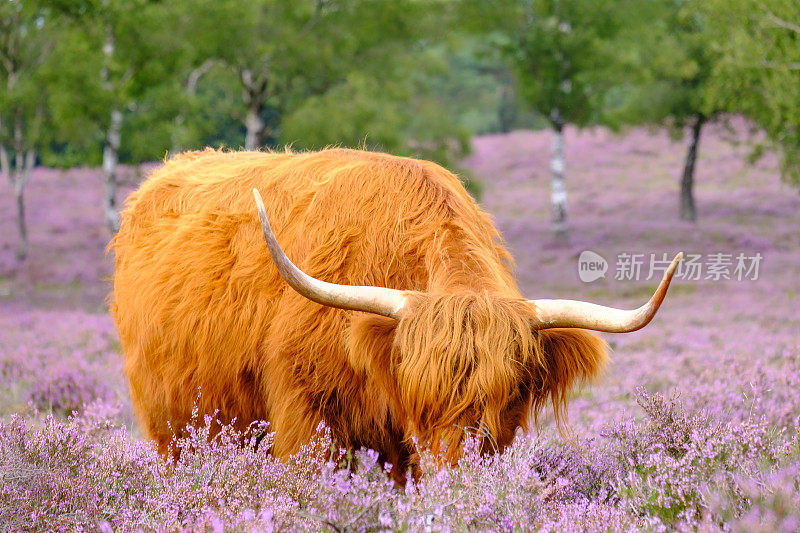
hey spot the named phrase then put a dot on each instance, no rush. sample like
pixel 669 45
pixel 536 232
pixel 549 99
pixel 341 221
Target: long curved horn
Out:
pixel 378 300
pixel 574 314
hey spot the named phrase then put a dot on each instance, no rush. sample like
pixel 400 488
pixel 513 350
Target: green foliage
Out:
pixel 479 88
pixel 759 69
pixel 113 55
pixel 689 58
pixel 27 37
pixel 399 114
pixel 313 73
pixel 427 104
pixel 561 53
pixel 412 77
pixel 665 63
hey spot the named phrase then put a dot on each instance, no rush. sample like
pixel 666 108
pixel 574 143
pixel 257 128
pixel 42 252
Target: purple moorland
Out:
pixel 695 425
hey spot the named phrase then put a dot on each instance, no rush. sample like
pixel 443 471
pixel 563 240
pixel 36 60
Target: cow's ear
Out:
pixel 566 358
pixel 370 350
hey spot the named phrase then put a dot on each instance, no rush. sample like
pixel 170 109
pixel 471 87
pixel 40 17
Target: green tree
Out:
pixel 560 52
pixel 292 60
pixel 26 39
pixel 758 73
pixel 115 53
pixel 480 87
pixel 404 111
pixel 311 74
pixel 666 62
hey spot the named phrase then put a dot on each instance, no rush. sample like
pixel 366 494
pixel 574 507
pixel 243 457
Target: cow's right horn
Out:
pixel 574 314
pixel 378 300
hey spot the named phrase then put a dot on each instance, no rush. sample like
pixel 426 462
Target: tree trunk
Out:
pixel 558 188
pixel 5 163
pixel 113 136
pixel 505 110
pixel 255 126
pixel 22 247
pixel 18 178
pixel 253 93
pixel 688 211
pixel 110 161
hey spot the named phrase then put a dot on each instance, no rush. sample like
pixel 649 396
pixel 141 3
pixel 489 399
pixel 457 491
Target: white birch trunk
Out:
pixel 18 178
pixel 112 140
pixel 253 94
pixel 558 187
pixel 255 128
pixel 110 162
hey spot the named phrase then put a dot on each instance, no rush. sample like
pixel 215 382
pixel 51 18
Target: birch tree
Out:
pixel 120 50
pixel 25 43
pixel 559 51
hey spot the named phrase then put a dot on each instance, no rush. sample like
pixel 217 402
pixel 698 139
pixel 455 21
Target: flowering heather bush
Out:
pixel 668 465
pixel 673 470
pixel 66 387
pixel 695 426
pixel 775 500
pixel 57 359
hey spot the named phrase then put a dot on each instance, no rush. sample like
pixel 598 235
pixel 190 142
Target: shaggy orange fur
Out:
pixel 199 305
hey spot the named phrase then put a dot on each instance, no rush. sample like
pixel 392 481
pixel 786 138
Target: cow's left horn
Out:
pixel 378 300
pixel 574 314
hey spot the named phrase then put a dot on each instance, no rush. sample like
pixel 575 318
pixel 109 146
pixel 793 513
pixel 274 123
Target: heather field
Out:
pixel 694 426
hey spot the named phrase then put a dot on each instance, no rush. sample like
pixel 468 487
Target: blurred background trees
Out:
pixel 688 62
pixel 27 37
pixel 758 72
pixel 669 63
pixel 99 82
pixel 113 53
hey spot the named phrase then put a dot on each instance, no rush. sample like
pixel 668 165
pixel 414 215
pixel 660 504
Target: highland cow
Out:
pixel 401 325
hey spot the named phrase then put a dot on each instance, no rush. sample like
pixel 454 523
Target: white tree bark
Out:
pixel 110 162
pixel 112 140
pixel 255 127
pixel 18 178
pixel 23 135
pixel 558 187
pixel 253 95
